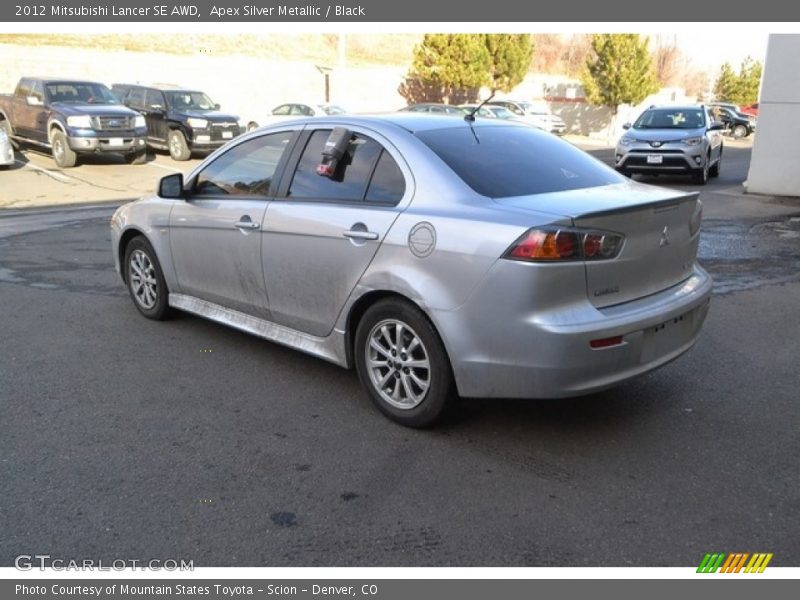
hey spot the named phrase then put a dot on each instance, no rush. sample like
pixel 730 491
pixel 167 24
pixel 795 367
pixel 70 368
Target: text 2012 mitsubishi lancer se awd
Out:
pixel 436 255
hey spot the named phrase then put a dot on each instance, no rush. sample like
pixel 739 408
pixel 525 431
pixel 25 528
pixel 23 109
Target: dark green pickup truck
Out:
pixel 72 118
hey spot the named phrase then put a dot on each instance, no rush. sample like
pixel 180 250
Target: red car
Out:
pixel 750 110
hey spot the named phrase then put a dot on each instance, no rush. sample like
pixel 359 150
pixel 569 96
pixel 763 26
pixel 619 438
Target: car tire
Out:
pixel 178 148
pixel 145 279
pixel 700 176
pixel 252 125
pixel 64 156
pixel 137 158
pixel 739 132
pixel 715 169
pixel 402 363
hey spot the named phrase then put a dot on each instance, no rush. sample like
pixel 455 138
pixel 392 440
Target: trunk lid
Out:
pixel 660 227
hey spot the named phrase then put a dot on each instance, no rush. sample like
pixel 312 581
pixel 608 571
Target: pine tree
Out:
pixel 620 72
pixel 511 56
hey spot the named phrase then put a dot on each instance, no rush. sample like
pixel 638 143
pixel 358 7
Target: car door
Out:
pixel 321 233
pixel 215 236
pixel 155 112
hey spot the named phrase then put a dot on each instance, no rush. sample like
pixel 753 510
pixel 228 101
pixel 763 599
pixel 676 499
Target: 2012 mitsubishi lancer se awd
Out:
pixel 436 255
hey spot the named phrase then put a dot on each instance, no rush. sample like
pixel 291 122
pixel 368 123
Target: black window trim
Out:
pixel 297 153
pixel 280 170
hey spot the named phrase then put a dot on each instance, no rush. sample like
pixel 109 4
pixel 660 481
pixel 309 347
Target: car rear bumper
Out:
pixel 548 354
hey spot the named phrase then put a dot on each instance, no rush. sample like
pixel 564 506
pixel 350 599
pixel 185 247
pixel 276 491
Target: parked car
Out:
pixel 293 110
pixel 537 115
pixel 739 125
pixel 72 118
pixel 482 112
pixel 437 109
pixel 672 140
pixel 181 120
pixel 435 255
pixel 6 149
pixel 751 110
pixel 501 112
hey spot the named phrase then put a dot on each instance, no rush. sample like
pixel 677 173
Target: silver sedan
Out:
pixel 435 255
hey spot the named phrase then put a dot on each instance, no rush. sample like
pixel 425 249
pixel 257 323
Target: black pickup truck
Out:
pixel 72 118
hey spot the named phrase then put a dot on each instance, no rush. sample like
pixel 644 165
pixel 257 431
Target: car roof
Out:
pixel 676 107
pixel 163 87
pixel 412 122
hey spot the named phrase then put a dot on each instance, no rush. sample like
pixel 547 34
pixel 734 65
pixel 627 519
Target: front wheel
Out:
pixel 714 171
pixel 145 279
pixel 178 148
pixel 64 156
pixel 700 176
pixel 402 363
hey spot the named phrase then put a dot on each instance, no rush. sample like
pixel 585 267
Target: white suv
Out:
pixel 536 115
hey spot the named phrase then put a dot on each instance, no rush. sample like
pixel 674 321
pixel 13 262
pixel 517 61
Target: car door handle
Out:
pixel 355 234
pixel 247 225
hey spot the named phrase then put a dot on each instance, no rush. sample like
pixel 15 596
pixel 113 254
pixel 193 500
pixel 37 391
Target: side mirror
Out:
pixel 171 186
pixel 34 101
pixel 716 126
pixel 626 126
pixel 216 107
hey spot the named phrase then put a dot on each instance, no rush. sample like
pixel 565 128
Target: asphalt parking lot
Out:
pixel 126 438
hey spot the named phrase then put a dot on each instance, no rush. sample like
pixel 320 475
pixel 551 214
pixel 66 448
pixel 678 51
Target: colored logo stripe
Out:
pixel 734 563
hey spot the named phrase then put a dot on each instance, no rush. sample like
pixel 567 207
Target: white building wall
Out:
pixel 775 163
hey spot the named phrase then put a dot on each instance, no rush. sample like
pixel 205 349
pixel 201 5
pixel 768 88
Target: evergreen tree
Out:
pixel 511 56
pixel 620 71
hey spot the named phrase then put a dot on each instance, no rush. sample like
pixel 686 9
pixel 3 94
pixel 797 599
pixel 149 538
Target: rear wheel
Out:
pixel 740 131
pixel 145 279
pixel 402 363
pixel 64 156
pixel 252 125
pixel 178 148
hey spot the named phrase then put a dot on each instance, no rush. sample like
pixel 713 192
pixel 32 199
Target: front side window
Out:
pixel 362 174
pixel 246 170
pixel 282 110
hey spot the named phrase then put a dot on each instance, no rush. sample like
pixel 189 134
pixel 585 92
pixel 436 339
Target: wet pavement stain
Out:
pixel 284 519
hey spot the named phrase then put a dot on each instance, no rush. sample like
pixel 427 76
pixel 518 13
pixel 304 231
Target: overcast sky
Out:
pixel 709 51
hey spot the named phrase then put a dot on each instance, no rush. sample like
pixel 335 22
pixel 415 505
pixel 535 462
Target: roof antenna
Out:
pixel 471 115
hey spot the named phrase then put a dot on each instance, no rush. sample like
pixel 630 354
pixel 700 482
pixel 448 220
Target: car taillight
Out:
pixel 546 245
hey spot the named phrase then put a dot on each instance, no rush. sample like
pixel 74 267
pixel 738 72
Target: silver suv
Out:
pixel 672 140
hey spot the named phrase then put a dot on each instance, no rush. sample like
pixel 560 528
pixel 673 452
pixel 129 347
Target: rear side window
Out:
pixel 246 169
pixel 367 172
pixel 136 98
pixel 501 162
pixel 154 98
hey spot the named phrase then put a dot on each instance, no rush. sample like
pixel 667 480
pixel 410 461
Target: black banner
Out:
pixel 417 11
pixel 733 588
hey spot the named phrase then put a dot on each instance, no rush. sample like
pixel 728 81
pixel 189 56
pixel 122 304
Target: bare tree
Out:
pixel 666 60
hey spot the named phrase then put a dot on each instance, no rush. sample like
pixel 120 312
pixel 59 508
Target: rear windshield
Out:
pixel 502 162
